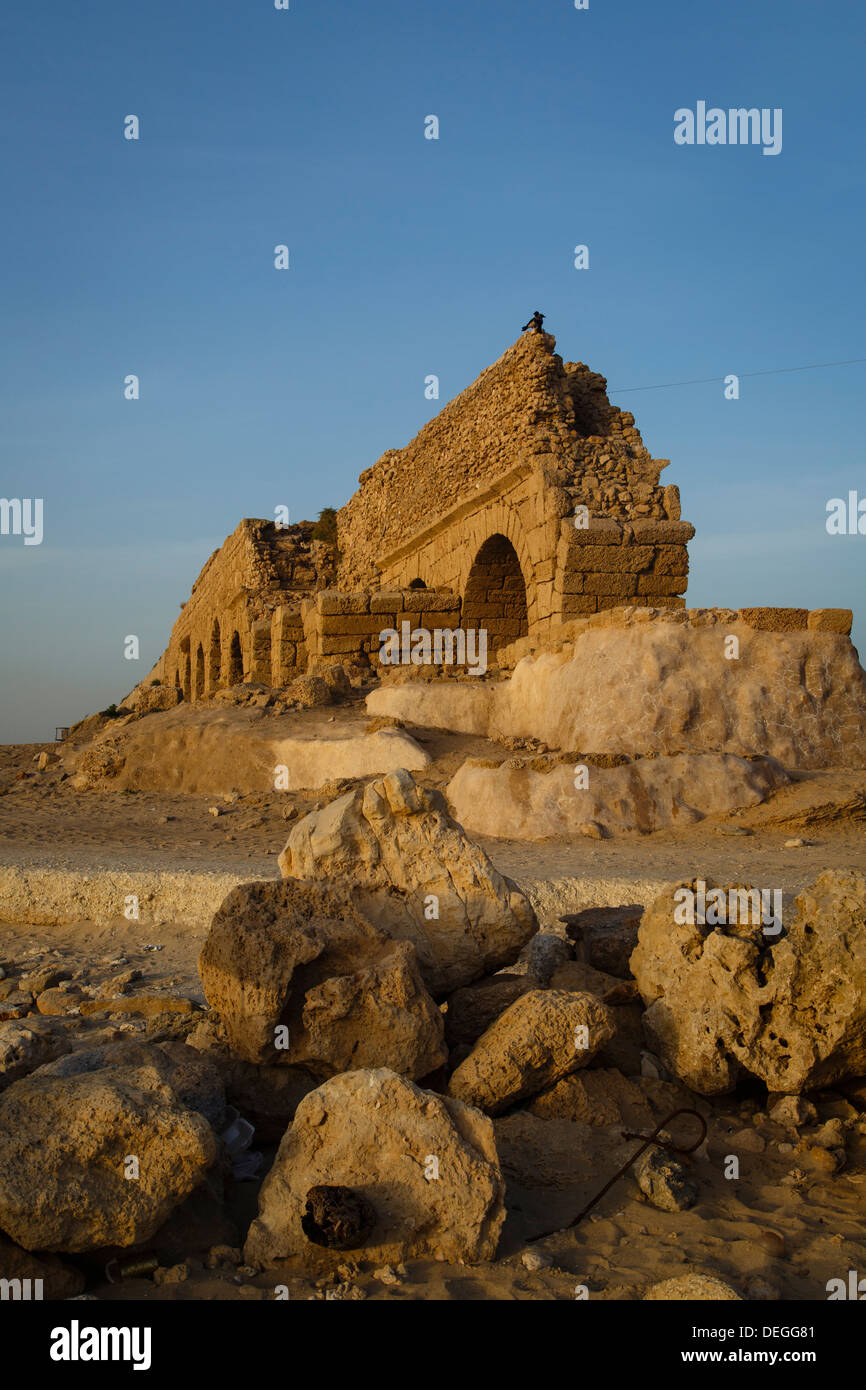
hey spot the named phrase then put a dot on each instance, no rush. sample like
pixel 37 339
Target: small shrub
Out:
pixel 325 528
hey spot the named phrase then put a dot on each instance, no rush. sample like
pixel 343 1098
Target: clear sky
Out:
pixel 408 257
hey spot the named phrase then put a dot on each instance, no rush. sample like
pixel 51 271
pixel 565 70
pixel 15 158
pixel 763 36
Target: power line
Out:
pixel 705 380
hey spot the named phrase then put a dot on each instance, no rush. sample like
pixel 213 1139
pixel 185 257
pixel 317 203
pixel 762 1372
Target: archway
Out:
pixel 214 665
pixel 199 673
pixel 236 661
pixel 495 597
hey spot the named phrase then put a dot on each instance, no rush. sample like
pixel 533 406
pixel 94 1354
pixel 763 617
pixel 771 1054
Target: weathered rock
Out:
pixel 471 1010
pixel 58 1280
pixel 300 956
pixel 538 803
pixel 416 874
pixel 65 1141
pixel 426 1164
pixel 789 1009
pixel 664 1181
pixel 689 1287
pixel 26 1046
pixel 603 1096
pixel 793 1111
pixel 541 1037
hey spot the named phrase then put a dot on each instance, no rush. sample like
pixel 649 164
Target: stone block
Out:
pixel 649 531
pixel 601 531
pixel 671 559
pixel 831 620
pixel 620 585
pixel 344 625
pixel 662 584
pixel 388 601
pixel 775 619
pixel 332 601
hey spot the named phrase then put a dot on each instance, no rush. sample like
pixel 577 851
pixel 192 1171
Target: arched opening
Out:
pixel 495 597
pixel 187 675
pixel 214 665
pixel 236 661
pixel 199 673
pixel 417 584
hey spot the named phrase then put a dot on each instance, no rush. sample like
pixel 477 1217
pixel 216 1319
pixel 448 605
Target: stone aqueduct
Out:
pixel 526 502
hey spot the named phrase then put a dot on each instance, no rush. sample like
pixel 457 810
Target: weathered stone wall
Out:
pixel 243 618
pixel 532 445
pixel 340 626
pixel 529 500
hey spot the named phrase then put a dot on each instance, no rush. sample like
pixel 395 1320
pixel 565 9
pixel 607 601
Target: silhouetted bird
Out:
pixel 534 323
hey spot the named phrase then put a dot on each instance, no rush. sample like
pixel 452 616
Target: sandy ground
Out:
pixel 781 1230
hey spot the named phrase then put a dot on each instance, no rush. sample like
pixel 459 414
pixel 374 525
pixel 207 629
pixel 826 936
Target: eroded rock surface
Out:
pixel 302 978
pixel 66 1135
pixel 789 1008
pixel 543 1036
pixel 426 1164
pixel 418 876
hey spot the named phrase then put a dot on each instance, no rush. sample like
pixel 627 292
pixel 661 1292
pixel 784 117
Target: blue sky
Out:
pixel 408 257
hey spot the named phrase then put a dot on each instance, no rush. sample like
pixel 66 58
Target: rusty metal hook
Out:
pixel 648 1139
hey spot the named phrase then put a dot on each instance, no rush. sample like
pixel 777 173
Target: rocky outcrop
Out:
pixel 418 876
pixel 541 798
pixel 541 1037
pixel 787 1007
pixel 425 1164
pixel 97 1155
pixel 301 978
pixel 635 680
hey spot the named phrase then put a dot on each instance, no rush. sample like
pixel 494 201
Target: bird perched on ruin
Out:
pixel 534 323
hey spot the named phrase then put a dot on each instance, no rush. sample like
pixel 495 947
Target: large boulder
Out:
pixel 416 874
pixel 66 1141
pixel 543 1036
pixel 425 1164
pixel 301 957
pixel 788 1007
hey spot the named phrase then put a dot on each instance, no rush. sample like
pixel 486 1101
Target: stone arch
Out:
pixel 198 689
pixel 417 584
pixel 495 594
pixel 235 664
pixel 214 665
pixel 501 518
pixel 187 675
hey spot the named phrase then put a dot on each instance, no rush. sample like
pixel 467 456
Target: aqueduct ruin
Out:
pixel 527 501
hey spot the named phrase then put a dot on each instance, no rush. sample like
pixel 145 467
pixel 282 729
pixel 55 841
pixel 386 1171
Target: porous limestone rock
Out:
pixel 788 1008
pixel 693 1287
pixel 65 1141
pixel 538 803
pixel 543 1036
pixel 418 876
pixel 302 957
pixel 426 1164
pixel 637 681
